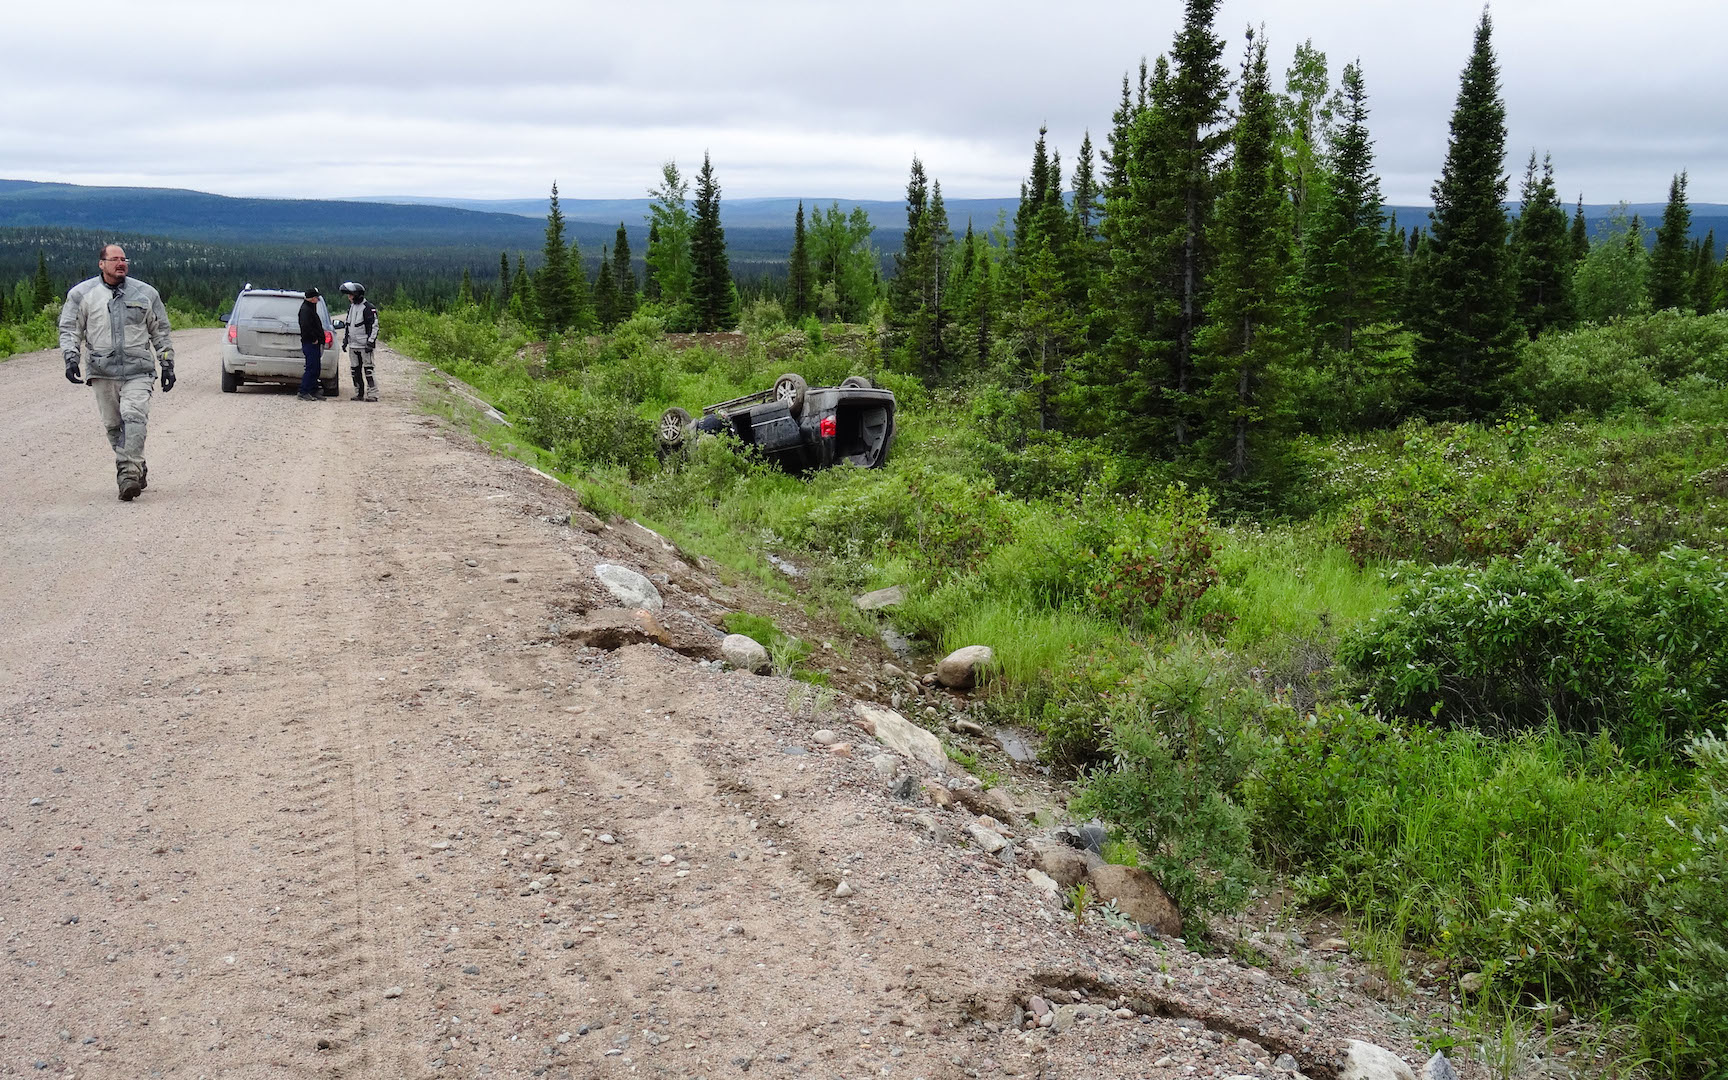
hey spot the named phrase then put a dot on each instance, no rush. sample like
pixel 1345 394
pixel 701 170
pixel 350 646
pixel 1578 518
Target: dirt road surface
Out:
pixel 302 777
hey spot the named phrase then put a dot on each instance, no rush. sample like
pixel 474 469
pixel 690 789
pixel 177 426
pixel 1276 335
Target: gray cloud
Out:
pixel 813 98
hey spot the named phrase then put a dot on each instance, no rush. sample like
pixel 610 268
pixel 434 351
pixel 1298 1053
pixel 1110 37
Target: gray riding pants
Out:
pixel 125 408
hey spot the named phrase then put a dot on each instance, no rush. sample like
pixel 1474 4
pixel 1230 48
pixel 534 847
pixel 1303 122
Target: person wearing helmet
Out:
pixel 360 338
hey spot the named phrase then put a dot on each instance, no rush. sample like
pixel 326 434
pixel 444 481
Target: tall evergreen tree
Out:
pixel 1466 329
pixel 1670 259
pixel 42 291
pixel 798 298
pixel 503 282
pixel 522 307
pixel 1542 254
pixel 713 297
pixel 907 292
pixel 1704 275
pixel 1580 234
pixel 1352 265
pixel 605 292
pixel 623 274
pixel 1247 332
pixel 1085 194
pixel 555 285
pixel 1155 220
pixel 465 291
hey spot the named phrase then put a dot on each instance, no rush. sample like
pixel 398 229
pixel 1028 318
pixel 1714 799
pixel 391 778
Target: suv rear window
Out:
pixel 283 308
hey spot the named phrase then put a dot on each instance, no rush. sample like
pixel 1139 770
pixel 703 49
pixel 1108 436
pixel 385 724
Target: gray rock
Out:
pixel 1038 1006
pixel 744 653
pixel 1065 1017
pixel 1138 895
pixel 1471 982
pixel 1286 1063
pixel 1043 882
pixel 988 839
pixel 886 765
pixel 893 596
pixel 898 733
pixel 1365 1061
pixel 629 588
pixel 1439 1067
pixel 959 670
pixel 904 787
pixel 825 737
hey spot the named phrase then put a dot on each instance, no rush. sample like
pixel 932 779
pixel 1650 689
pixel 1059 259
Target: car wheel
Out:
pixel 790 389
pixel 856 382
pixel 673 423
pixel 331 386
pixel 230 381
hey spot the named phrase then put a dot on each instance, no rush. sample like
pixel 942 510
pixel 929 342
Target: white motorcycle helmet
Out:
pixel 353 289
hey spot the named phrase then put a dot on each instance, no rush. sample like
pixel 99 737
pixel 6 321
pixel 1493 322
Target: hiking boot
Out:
pixel 308 397
pixel 129 482
pixel 143 476
pixel 371 397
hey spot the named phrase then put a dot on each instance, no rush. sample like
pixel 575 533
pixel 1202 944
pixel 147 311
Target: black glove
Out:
pixel 72 372
pixel 167 375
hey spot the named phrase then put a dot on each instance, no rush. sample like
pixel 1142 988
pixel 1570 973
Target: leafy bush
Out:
pixel 581 428
pixel 1634 651
pixel 1158 562
pixel 1178 757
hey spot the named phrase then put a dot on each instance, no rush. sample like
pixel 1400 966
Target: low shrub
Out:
pixel 1635 651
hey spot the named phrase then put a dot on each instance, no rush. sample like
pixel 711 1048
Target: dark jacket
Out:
pixel 311 326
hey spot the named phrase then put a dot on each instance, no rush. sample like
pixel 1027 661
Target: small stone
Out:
pixel 968 727
pixel 960 669
pixel 1471 982
pixel 843 889
pixel 471 969
pixel 1439 1067
pixel 825 737
pixel 629 588
pixel 841 749
pixel 393 992
pixel 1038 1006
pixel 469 562
pixel 744 653
pixel 606 838
pixel 893 596
pixel 988 839
pixel 1333 944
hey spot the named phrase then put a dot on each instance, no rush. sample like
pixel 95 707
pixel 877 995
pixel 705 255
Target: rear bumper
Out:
pixel 277 368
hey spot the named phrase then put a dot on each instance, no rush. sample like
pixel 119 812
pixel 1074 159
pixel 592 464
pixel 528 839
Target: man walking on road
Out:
pixel 359 339
pixel 311 347
pixel 116 322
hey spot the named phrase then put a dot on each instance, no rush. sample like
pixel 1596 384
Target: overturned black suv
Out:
pixel 798 427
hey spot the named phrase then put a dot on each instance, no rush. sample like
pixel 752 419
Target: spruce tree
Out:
pixel 554 281
pixel 522 306
pixel 1351 266
pixel 42 291
pixel 1704 275
pixel 503 282
pixel 1247 332
pixel 798 299
pixel 1670 259
pixel 906 293
pixel 1580 234
pixel 623 274
pixel 465 292
pixel 713 297
pixel 1542 254
pixel 605 292
pixel 1466 328
pixel 583 297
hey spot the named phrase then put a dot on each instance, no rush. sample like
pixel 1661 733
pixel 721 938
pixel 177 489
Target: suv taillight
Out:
pixel 233 333
pixel 827 428
pixel 329 339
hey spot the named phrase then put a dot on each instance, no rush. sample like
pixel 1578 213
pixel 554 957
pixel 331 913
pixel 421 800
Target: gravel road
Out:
pixel 301 778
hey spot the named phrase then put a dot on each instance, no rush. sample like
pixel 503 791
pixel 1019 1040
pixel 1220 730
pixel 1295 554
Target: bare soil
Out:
pixel 302 777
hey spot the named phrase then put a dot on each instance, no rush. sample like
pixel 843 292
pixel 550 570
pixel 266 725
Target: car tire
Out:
pixel 674 422
pixel 331 386
pixel 230 381
pixel 790 388
pixel 856 382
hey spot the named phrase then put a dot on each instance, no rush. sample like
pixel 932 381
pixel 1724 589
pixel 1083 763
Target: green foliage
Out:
pixel 1552 865
pixel 1156 564
pixel 581 427
pixel 1634 651
pixel 1179 753
pixel 1609 282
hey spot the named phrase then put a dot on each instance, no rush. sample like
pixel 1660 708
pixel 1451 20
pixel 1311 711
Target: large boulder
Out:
pixel 1365 1061
pixel 629 588
pixel 898 733
pixel 1137 895
pixel 744 653
pixel 959 670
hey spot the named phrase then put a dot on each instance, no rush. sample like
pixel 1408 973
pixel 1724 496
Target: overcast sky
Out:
pixel 497 99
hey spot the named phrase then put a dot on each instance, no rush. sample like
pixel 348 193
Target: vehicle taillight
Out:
pixel 827 428
pixel 329 339
pixel 233 333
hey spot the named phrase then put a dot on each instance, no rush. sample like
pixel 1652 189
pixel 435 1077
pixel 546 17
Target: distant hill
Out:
pixel 758 230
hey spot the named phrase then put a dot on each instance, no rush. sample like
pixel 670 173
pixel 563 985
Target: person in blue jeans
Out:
pixel 312 347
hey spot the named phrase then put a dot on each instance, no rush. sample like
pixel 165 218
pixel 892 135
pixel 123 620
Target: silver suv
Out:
pixel 263 340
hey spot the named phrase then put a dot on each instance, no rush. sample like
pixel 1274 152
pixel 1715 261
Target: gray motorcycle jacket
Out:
pixel 362 329
pixel 116 328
